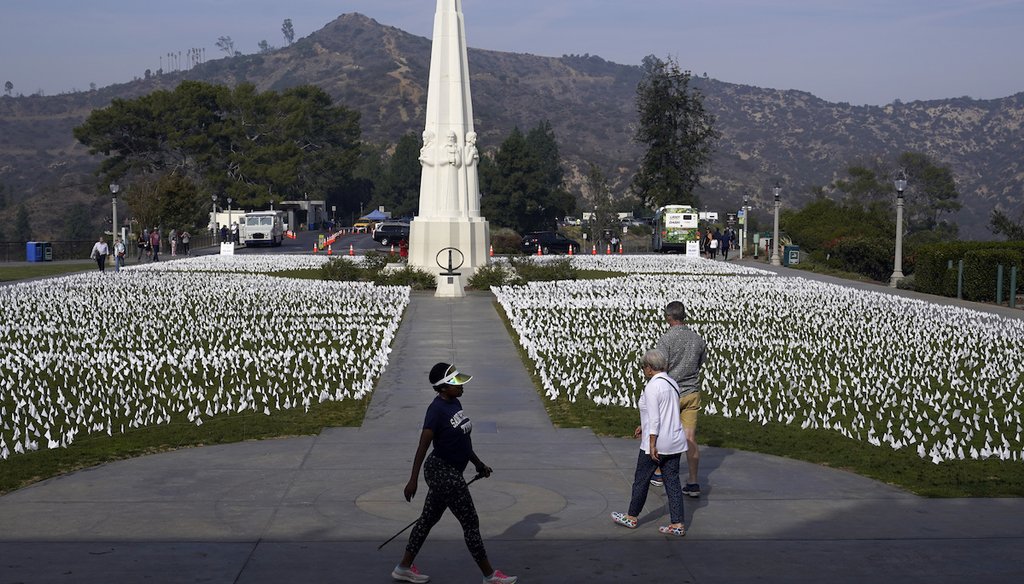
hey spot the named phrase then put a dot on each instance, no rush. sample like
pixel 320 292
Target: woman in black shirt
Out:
pixel 448 428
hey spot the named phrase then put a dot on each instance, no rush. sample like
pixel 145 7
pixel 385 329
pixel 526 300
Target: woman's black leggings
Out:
pixel 447 489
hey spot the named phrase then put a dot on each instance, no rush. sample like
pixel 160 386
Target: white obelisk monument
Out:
pixel 449 215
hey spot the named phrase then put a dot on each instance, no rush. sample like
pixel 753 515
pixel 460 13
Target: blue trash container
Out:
pixel 33 251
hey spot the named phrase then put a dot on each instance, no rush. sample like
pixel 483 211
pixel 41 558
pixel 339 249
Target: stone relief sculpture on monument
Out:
pixel 471 159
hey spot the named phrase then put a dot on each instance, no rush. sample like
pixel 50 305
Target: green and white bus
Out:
pixel 674 227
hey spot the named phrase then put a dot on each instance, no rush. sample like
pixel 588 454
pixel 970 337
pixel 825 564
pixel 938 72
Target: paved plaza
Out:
pixel 314 509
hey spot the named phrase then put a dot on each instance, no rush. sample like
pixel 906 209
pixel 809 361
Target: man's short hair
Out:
pixel 676 311
pixel 656 359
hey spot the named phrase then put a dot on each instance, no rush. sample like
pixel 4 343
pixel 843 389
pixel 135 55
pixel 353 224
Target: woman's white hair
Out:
pixel 656 359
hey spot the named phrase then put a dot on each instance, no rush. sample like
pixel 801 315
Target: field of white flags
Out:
pixel 94 353
pixel 944 382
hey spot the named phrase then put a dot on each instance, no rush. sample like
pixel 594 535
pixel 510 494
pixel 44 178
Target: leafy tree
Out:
pixel 75 227
pixel 399 188
pixel 22 225
pixel 865 184
pixel 227 45
pixel 288 30
pixel 8 87
pixel 931 192
pixel 251 146
pixel 1002 225
pixel 264 47
pixel 678 132
pixel 519 185
pixel 170 200
pixel 604 210
pixel 823 222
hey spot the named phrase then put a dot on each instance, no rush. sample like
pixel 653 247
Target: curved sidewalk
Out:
pixel 314 509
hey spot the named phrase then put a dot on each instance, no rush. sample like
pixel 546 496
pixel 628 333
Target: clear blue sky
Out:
pixel 858 51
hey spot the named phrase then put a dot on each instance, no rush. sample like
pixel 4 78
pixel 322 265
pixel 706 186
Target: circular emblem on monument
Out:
pixel 450 254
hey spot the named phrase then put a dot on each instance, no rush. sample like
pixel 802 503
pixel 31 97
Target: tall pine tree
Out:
pixel 679 134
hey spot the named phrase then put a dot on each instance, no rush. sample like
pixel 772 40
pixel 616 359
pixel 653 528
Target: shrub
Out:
pixel 342 270
pixel 980 272
pixel 415 278
pixel 374 261
pixel 863 255
pixel 937 267
pixel 497 274
pixel 530 271
pixel 506 241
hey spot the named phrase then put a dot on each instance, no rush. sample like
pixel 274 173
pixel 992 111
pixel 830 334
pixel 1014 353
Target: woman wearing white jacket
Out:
pixel 662 444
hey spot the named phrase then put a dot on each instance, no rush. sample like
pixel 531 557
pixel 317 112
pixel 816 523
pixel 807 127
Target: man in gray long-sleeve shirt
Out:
pixel 686 351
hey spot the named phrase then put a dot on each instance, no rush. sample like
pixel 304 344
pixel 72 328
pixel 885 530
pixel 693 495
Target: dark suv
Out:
pixel 389 233
pixel 549 242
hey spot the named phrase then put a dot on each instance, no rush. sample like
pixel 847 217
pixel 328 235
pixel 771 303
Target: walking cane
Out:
pixel 475 479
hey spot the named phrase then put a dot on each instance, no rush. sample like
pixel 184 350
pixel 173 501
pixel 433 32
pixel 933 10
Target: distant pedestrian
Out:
pixel 186 237
pixel 154 243
pixel 143 245
pixel 100 251
pixel 173 238
pixel 119 253
pixel 234 232
pixel 713 246
pixel 726 244
pixel 223 233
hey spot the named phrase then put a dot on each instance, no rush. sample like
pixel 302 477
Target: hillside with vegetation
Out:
pixel 768 135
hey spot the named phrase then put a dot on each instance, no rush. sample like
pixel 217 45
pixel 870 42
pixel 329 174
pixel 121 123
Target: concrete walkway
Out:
pixel 314 509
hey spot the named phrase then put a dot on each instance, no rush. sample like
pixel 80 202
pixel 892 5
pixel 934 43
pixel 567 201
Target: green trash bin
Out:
pixel 790 255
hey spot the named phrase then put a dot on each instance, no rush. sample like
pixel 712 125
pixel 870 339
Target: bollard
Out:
pixel 960 281
pixel 999 284
pixel 1013 287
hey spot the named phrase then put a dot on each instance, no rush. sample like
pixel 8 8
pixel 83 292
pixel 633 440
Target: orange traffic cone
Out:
pixel 491 251
pixel 351 250
pixel 620 249
pixel 538 250
pixel 608 250
pixel 329 250
pixel 570 250
pixel 594 251
pixel 315 249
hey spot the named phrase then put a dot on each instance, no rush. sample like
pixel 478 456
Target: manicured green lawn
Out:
pixel 42 270
pixel 25 469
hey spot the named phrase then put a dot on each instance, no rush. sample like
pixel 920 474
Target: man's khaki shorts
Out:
pixel 689 405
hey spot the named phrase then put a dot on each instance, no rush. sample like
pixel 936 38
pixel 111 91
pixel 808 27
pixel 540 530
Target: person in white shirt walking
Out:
pixel 119 251
pixel 100 251
pixel 662 444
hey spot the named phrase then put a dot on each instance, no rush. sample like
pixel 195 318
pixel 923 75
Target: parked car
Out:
pixel 549 242
pixel 389 233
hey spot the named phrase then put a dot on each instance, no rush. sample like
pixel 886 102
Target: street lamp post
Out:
pixel 114 188
pixel 897 272
pixel 775 237
pixel 231 230
pixel 746 224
